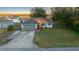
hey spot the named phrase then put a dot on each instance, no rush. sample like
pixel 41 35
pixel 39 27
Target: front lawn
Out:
pixel 57 37
pixel 3 35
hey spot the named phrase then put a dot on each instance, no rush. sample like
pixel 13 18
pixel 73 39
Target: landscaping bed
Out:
pixel 57 37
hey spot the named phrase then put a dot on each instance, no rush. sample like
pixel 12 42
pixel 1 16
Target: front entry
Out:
pixel 38 27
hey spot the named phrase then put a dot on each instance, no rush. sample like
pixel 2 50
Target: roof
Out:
pixel 41 20
pixel 36 21
pixel 5 20
pixel 16 17
pixel 29 22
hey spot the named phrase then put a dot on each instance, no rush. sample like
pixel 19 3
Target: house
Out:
pixel 7 18
pixel 29 25
pixel 16 19
pixel 35 24
pixel 44 23
pixel 5 24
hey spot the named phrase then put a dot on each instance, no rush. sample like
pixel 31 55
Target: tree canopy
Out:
pixel 67 15
pixel 38 12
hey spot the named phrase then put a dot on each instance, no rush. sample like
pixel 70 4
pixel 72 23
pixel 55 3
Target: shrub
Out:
pixel 76 26
pixel 10 28
pixel 17 26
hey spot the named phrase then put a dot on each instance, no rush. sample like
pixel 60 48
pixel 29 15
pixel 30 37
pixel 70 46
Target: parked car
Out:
pixel 47 25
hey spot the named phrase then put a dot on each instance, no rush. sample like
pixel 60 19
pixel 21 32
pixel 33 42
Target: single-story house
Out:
pixel 5 24
pixel 7 18
pixel 16 19
pixel 44 23
pixel 36 24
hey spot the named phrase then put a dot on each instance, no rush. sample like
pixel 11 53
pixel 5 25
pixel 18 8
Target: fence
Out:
pixel 56 25
pixel 4 25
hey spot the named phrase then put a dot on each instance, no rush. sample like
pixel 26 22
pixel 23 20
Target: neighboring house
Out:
pixel 5 24
pixel 16 20
pixel 29 25
pixel 7 18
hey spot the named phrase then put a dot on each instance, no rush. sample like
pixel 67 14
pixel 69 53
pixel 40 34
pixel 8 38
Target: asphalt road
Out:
pixel 23 40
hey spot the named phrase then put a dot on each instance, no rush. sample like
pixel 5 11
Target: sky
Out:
pixel 14 9
pixel 18 9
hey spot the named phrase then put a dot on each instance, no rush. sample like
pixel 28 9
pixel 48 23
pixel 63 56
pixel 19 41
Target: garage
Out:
pixel 29 25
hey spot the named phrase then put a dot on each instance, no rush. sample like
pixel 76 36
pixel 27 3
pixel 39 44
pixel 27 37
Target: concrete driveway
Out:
pixel 23 40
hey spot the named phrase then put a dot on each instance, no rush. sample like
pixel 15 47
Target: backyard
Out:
pixel 56 37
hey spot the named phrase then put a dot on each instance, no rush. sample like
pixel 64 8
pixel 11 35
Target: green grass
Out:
pixel 57 37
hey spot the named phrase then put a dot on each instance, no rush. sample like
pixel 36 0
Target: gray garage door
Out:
pixel 29 27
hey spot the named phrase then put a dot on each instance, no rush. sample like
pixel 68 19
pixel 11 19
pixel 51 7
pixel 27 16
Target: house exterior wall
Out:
pixel 16 20
pixel 4 24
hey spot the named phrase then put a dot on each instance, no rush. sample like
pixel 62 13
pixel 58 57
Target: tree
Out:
pixel 76 14
pixel 69 16
pixel 75 17
pixel 63 15
pixel 76 26
pixel 38 12
pixel 10 28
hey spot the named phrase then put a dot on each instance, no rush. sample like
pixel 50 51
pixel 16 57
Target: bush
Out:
pixel 17 26
pixel 10 28
pixel 76 26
